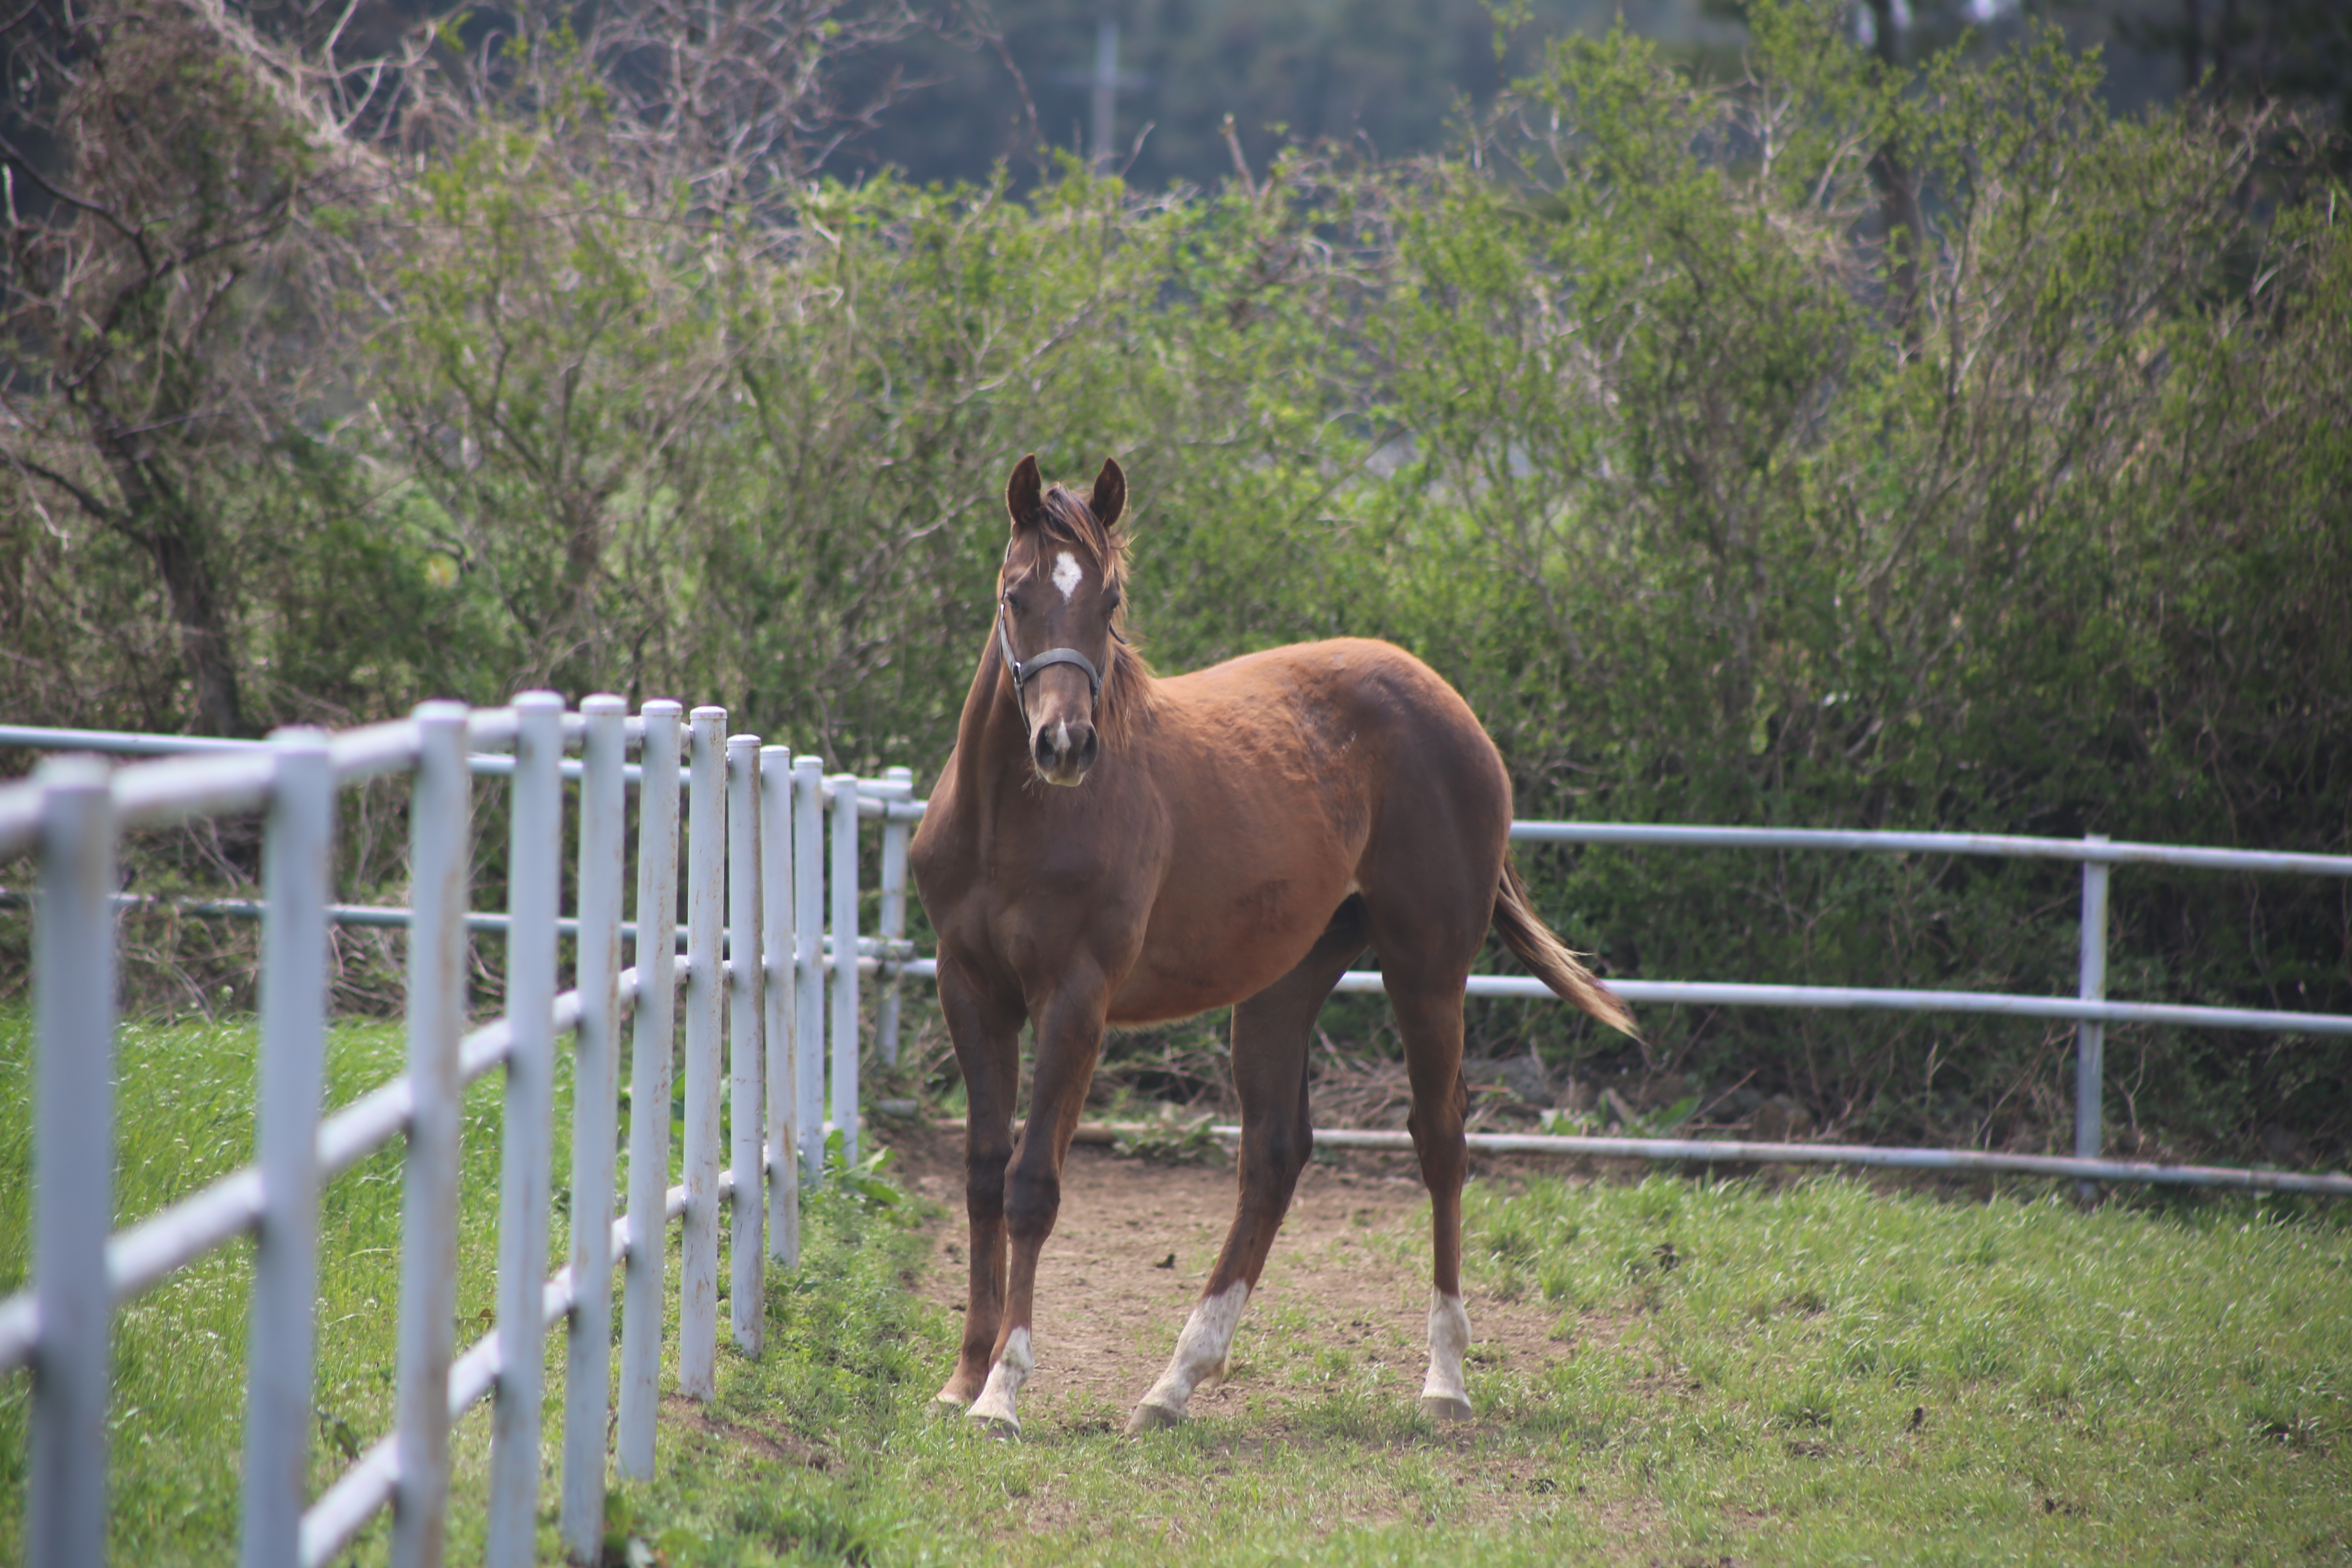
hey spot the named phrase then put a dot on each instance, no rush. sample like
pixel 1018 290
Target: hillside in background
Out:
pixel 1385 79
pixel 947 89
pixel 1394 77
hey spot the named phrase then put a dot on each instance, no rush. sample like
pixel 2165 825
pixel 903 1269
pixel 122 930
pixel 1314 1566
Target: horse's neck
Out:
pixel 991 742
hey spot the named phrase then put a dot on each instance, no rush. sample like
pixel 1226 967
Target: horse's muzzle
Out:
pixel 1064 750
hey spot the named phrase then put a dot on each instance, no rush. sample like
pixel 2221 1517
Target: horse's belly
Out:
pixel 1195 959
pixel 1162 998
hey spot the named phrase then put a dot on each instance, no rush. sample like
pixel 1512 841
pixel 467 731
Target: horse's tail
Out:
pixel 1554 962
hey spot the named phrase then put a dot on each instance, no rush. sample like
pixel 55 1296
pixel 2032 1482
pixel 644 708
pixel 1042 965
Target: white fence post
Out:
pixel 73 1170
pixel 596 1054
pixel 898 786
pixel 705 885
pixel 2090 1034
pixel 440 811
pixel 534 888
pixel 641 1295
pixel 747 1005
pixel 296 873
pixel 784 1184
pixel 844 963
pixel 808 971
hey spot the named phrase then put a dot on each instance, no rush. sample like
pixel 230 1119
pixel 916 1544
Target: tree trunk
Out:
pixel 179 544
pixel 204 643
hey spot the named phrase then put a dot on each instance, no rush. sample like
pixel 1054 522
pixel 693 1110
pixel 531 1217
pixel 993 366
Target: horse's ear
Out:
pixel 1109 498
pixel 1022 498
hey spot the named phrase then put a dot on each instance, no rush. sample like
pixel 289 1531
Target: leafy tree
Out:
pixel 160 292
pixel 1753 552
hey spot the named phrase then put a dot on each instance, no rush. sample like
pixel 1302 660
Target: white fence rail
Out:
pixel 750 966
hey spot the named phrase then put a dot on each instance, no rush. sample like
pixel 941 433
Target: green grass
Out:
pixel 1824 1374
pixel 1819 1372
pixel 1830 1373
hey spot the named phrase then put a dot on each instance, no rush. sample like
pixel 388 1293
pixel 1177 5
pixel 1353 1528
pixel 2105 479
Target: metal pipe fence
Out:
pixel 750 966
pixel 2090 1008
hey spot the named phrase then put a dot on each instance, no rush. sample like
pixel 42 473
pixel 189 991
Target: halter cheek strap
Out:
pixel 1021 671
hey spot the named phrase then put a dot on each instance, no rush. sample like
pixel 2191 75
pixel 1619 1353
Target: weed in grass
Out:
pixel 822 1526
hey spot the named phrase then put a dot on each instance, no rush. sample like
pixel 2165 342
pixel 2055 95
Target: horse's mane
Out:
pixel 1127 697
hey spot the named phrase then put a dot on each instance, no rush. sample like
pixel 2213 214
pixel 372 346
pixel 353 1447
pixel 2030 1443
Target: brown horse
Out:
pixel 1234 836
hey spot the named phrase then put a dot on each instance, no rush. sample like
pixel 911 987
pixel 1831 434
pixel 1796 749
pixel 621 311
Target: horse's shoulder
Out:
pixel 943 833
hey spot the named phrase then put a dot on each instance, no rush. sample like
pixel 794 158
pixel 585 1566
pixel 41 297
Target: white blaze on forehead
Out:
pixel 1068 574
pixel 1200 1348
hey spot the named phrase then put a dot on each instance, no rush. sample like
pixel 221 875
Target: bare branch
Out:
pixel 33 173
pixel 111 516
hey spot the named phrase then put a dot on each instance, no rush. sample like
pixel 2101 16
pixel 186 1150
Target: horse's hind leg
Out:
pixel 1429 882
pixel 1270 1036
pixel 1430 1017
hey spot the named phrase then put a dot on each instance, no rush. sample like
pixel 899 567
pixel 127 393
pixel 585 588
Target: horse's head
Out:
pixel 1057 596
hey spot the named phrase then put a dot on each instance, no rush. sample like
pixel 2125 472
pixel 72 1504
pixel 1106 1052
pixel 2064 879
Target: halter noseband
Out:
pixel 1021 671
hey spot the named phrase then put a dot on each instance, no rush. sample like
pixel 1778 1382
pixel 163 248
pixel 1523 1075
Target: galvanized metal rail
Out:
pixel 1728 1152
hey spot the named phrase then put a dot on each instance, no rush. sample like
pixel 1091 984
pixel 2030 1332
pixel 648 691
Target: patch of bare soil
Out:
pixel 1134 1244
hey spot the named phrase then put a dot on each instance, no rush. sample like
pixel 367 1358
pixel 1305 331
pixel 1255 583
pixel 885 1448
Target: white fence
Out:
pixel 751 966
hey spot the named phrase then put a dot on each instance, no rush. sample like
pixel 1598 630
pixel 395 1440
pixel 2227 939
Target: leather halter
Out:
pixel 1021 671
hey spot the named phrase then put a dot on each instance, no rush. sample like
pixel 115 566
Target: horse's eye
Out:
pixel 1111 601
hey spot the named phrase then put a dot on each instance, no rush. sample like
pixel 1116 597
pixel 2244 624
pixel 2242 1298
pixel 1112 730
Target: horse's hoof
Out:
pixel 1150 1417
pixel 1003 1428
pixel 1444 1408
pixel 944 1403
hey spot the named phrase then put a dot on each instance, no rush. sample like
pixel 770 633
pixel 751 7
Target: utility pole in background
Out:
pixel 1898 188
pixel 1104 80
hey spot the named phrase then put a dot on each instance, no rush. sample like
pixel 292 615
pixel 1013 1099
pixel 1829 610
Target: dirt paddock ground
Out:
pixel 1134 1242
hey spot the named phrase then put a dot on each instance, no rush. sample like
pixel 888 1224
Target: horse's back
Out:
pixel 1343 686
pixel 1293 778
pixel 1353 716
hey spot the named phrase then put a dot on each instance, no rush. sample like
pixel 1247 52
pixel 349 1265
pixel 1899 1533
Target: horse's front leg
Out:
pixel 986 1032
pixel 1069 1038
